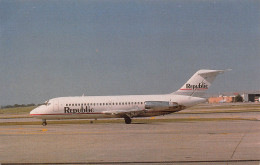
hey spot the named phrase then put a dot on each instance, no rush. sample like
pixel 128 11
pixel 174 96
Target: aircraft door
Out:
pixel 56 105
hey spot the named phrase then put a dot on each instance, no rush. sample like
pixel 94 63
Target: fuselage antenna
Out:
pixel 84 93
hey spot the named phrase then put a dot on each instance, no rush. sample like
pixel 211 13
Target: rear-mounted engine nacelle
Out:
pixel 161 106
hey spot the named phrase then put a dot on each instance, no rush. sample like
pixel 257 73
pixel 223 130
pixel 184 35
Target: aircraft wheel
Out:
pixel 44 123
pixel 128 120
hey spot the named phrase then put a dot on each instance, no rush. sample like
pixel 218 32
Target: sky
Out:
pixel 53 48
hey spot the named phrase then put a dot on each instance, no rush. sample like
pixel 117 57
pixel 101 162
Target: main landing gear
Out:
pixel 44 123
pixel 128 120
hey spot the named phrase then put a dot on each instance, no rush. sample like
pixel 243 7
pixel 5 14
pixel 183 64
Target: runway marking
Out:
pixel 154 162
pixel 10 128
pixel 225 133
pixel 54 132
pixel 40 133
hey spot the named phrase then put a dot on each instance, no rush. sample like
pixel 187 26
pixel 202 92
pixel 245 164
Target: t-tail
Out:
pixel 199 83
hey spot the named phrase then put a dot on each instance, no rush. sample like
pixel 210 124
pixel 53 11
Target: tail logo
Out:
pixel 200 86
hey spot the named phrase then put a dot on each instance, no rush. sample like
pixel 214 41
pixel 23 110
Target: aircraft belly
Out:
pixel 71 116
pixel 150 114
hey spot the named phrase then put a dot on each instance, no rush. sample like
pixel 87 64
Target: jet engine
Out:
pixel 162 106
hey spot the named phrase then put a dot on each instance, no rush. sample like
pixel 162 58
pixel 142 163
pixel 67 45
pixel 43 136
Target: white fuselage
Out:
pixel 91 107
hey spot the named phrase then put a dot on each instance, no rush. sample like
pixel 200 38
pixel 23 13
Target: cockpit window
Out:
pixel 46 102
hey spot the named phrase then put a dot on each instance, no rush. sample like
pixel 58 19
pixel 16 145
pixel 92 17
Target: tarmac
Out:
pixel 210 134
pixel 181 142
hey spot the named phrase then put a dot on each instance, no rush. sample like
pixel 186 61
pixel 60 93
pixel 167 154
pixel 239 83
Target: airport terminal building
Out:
pixel 230 97
pixel 251 97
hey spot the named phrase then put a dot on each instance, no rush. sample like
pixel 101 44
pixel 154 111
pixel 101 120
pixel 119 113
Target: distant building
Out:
pixel 221 99
pixel 251 97
pixel 230 97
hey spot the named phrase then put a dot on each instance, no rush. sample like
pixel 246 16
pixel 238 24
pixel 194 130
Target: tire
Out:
pixel 128 120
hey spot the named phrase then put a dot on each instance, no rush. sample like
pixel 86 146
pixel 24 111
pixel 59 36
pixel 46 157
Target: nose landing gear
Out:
pixel 44 123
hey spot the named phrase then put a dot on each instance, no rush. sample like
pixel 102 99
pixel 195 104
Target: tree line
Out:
pixel 18 105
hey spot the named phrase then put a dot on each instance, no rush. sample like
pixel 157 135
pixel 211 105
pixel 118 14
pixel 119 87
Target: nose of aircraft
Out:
pixel 33 111
pixel 36 110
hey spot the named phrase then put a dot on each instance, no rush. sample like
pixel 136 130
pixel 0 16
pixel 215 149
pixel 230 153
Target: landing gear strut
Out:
pixel 44 123
pixel 128 120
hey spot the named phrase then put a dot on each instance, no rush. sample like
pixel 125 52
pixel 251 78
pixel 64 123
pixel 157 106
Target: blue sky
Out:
pixel 52 48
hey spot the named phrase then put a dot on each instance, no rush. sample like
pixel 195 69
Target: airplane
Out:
pixel 128 106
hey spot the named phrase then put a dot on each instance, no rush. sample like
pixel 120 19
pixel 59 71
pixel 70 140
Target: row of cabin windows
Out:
pixel 102 104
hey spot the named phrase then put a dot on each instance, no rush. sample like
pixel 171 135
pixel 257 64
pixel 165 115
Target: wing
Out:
pixel 122 113
pixel 152 108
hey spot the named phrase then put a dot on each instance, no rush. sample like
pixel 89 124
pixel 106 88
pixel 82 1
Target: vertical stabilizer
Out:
pixel 199 83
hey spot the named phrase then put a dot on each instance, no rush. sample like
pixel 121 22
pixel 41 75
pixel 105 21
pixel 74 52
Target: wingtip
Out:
pixel 222 71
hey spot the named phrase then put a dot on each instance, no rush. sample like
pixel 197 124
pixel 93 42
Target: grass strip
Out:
pixel 218 111
pixel 16 111
pixel 225 106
